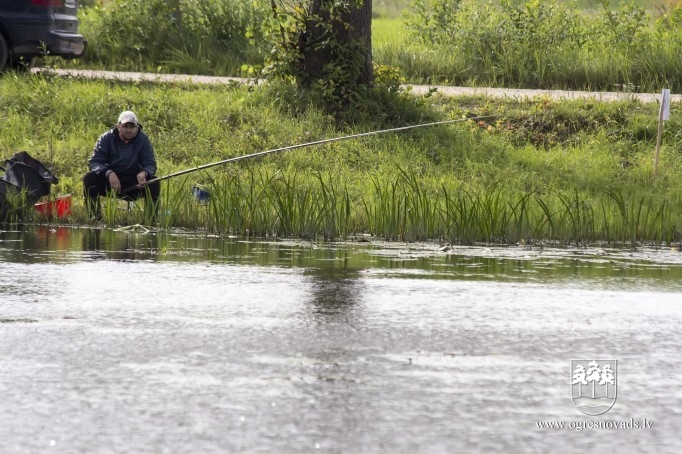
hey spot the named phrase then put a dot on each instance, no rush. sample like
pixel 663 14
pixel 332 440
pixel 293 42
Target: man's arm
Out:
pixel 99 159
pixel 147 158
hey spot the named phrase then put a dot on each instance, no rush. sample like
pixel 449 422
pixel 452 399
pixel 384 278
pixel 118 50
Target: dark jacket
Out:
pixel 126 159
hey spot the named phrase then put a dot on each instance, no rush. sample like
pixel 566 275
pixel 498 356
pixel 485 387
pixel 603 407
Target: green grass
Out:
pixel 540 170
pixel 388 32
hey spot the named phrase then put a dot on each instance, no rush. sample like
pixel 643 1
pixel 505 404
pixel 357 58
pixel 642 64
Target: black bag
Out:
pixel 29 174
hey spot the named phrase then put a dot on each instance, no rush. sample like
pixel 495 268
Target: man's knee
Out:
pixel 92 186
pixel 90 180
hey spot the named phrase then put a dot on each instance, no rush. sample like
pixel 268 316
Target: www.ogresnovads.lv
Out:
pixel 578 425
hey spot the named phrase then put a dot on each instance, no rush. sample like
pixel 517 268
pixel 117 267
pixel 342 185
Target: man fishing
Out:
pixel 123 161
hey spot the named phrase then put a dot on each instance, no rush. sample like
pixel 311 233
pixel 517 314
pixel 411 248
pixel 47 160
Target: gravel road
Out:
pixel 516 93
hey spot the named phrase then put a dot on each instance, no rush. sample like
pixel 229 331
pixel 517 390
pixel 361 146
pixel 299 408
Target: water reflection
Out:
pixel 622 268
pixel 91 240
pixel 334 292
pixel 106 244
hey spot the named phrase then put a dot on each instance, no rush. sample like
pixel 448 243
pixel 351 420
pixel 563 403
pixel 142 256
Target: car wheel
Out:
pixel 22 63
pixel 4 53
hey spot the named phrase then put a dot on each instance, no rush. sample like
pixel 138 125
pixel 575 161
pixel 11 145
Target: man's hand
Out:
pixel 115 182
pixel 142 178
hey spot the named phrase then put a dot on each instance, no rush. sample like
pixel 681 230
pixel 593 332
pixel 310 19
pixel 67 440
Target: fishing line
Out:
pixel 302 145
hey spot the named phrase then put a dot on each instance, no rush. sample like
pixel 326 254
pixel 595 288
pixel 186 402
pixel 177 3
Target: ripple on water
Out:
pixel 227 346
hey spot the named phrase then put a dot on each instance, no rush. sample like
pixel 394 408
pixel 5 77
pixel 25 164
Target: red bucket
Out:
pixel 59 207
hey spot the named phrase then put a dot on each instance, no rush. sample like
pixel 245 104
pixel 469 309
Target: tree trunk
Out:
pixel 338 44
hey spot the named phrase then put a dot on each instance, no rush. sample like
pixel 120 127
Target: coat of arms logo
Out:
pixel 594 385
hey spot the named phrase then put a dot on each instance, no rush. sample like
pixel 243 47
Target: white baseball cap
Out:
pixel 127 117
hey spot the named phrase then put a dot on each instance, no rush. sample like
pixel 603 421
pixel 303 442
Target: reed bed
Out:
pixel 317 206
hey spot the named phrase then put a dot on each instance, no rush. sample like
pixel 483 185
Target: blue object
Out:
pixel 200 193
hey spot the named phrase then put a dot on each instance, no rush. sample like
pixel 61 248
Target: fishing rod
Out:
pixel 302 145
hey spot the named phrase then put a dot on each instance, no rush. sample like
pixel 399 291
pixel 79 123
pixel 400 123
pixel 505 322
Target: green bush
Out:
pixel 545 45
pixel 208 36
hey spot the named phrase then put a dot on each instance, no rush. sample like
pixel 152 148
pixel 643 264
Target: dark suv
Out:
pixel 31 28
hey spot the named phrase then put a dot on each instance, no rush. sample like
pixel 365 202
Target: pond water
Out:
pixel 176 342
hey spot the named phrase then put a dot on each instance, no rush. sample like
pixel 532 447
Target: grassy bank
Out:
pixel 570 171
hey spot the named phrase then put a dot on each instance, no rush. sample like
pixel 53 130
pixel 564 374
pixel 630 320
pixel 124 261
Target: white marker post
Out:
pixel 663 115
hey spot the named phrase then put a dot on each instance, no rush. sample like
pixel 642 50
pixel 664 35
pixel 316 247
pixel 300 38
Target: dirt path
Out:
pixel 417 89
pixel 520 93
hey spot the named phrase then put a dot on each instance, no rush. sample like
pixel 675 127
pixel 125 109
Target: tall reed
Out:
pixel 316 205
